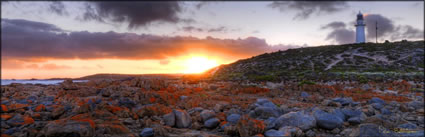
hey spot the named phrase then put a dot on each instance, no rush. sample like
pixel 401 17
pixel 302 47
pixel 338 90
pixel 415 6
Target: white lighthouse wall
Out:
pixel 360 34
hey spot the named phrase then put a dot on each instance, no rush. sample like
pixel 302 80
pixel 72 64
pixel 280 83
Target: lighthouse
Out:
pixel 360 26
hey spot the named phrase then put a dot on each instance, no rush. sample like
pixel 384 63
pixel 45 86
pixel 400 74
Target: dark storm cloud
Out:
pixel 388 29
pixel 136 14
pixel 25 41
pixel 339 33
pixel 305 9
pixel 58 8
pixel 334 25
pixel 386 26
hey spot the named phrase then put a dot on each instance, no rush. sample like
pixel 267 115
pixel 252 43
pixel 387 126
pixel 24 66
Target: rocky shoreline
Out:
pixel 163 107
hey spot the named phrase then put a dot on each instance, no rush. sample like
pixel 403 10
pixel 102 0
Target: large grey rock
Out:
pixel 169 119
pixel 291 131
pixel 183 119
pixel 270 123
pixel 376 100
pixel 70 128
pixel 413 130
pixel 266 112
pixel 207 114
pixel 385 111
pixel 372 130
pixel 296 119
pixel 211 123
pixel 147 132
pixel 343 101
pixel 326 120
pixel 233 118
pixel 275 133
pixel 416 104
pixel 339 113
pixel 265 103
pixel 377 106
pixel 349 113
pixel 355 120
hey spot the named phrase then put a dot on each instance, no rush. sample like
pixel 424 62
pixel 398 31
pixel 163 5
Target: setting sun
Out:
pixel 199 64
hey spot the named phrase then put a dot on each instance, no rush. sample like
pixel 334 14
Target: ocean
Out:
pixel 44 82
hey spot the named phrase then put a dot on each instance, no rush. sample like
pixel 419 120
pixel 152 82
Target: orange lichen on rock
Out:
pixel 17 106
pixel 4 108
pixel 40 108
pixel 91 122
pixel 360 95
pixel 152 99
pixel 36 115
pixel 28 120
pixel 113 109
pixel 248 126
pixel 223 123
pixel 5 117
pixel 252 90
pixel 155 110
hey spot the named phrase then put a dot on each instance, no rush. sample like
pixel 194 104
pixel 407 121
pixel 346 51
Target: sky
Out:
pixel 75 39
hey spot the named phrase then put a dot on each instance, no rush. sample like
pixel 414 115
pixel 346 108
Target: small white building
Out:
pixel 360 27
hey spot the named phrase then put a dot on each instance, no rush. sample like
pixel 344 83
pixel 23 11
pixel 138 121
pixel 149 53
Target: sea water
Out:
pixel 44 82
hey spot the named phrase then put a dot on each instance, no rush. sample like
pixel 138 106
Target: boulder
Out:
pixel 385 111
pixel 343 101
pixel 233 118
pixel 377 106
pixel 296 119
pixel 211 123
pixel 183 119
pixel 410 130
pixel 57 112
pixel 354 120
pixel 291 131
pixel 276 133
pixel 326 120
pixel 339 113
pixel 349 113
pixel 266 112
pixel 371 130
pixel 69 128
pixel 270 123
pixel 407 126
pixel 147 132
pixel 169 119
pixel 207 114
pixel 265 103
pixel 416 104
pixel 376 100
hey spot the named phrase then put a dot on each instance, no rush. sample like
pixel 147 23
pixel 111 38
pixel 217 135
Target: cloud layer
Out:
pixel 26 40
pixel 304 9
pixel 136 14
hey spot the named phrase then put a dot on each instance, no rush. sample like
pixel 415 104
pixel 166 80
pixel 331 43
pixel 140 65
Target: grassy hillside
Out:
pixel 349 61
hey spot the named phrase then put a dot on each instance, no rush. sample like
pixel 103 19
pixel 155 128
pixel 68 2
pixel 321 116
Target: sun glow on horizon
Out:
pixel 199 64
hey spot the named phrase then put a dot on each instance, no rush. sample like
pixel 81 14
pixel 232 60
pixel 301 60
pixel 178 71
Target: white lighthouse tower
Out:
pixel 360 26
